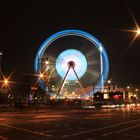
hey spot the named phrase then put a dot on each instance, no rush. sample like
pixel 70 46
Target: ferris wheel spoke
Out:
pixel 63 82
pixel 79 82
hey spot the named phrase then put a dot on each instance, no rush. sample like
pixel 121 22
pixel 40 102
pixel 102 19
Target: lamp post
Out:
pixel 109 85
pixel 129 93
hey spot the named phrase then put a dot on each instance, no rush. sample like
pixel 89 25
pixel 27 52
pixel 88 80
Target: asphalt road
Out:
pixel 71 124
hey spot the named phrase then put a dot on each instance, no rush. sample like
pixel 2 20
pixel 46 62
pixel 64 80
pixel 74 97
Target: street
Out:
pixel 71 124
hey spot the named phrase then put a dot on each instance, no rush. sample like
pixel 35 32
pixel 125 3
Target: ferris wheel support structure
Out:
pixel 71 65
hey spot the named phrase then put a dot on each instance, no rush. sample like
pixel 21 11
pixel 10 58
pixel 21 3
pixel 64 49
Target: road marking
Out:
pixel 102 128
pixel 132 136
pixel 65 136
pixel 25 130
pixel 129 128
pixel 106 134
pixel 122 130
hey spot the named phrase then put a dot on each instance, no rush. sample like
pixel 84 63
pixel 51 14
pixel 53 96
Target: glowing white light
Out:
pixel 101 48
pixel 109 81
pixel 136 90
pixel 102 68
pixel 105 96
pixel 47 62
pixel 135 95
pixel 75 56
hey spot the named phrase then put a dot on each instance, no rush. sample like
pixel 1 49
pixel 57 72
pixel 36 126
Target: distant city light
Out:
pixel 106 96
pixel 135 95
pixel 128 87
pixel 73 92
pixel 136 90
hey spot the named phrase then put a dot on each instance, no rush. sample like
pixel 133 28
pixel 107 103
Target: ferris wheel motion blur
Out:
pixel 72 61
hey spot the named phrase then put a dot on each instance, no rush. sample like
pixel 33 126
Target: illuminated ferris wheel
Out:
pixel 77 61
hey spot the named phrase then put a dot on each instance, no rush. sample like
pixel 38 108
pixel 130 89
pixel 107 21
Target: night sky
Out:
pixel 24 27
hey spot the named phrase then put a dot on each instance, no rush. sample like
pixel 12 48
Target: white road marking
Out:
pixel 129 128
pixel 119 131
pixel 25 130
pixel 106 134
pixel 65 136
pixel 132 136
pixel 102 128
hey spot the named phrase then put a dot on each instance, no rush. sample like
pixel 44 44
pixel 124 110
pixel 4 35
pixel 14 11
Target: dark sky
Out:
pixel 24 26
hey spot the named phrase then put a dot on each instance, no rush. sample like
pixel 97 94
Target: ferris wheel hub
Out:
pixel 71 64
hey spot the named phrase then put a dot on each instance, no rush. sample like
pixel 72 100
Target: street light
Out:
pixel 41 75
pixel 138 32
pixel 6 81
pixel 109 81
